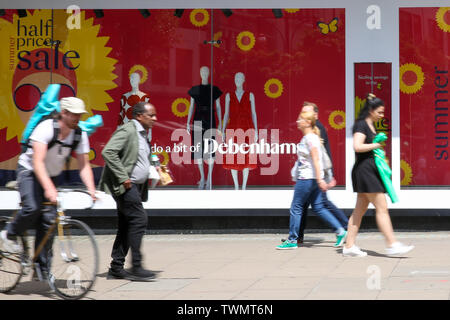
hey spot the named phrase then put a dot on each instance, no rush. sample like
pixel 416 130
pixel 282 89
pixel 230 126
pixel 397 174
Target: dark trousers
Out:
pixel 33 214
pixel 337 213
pixel 132 223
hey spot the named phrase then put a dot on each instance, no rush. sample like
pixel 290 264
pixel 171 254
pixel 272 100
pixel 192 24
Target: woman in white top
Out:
pixel 310 185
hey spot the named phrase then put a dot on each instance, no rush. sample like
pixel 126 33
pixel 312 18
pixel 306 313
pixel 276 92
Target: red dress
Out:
pixel 240 115
pixel 126 107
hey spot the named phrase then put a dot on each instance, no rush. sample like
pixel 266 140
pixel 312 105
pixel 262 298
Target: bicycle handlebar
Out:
pixel 12 185
pixel 68 190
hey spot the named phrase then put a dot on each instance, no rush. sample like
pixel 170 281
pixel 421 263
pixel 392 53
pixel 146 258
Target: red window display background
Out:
pixel 287 60
pixel 424 106
pixel 375 78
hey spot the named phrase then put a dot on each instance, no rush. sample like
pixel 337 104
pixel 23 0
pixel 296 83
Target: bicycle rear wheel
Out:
pixel 75 260
pixel 10 264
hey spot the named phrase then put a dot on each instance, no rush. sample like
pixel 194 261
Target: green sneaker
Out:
pixel 340 239
pixel 287 245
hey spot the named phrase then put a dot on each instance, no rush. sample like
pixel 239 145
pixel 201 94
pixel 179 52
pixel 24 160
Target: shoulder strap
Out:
pixel 76 138
pixel 76 141
pixel 26 144
pixel 55 134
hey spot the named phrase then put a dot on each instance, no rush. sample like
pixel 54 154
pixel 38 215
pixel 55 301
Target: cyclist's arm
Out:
pixel 86 174
pixel 39 153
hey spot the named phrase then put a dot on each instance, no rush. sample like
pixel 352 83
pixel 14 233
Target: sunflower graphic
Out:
pixel 92 154
pixel 92 62
pixel 359 104
pixel 199 13
pixel 178 102
pixel 165 156
pixel 406 71
pixel 142 69
pixel 407 173
pixel 273 83
pixel 332 119
pixel 440 19
pixel 245 40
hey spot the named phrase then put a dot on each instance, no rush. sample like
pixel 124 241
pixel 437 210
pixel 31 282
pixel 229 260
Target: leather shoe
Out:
pixel 140 274
pixel 117 274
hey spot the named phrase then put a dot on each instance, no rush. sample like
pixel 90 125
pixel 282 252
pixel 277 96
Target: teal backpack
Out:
pixel 48 108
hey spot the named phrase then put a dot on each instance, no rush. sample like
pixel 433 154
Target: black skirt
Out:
pixel 366 178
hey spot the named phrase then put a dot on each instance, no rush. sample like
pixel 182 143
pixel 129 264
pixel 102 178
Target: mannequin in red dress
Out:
pixel 129 99
pixel 240 110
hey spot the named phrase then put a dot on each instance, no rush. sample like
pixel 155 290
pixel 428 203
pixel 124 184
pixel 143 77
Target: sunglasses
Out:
pixel 27 96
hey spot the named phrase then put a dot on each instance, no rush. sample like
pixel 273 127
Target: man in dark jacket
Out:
pixel 125 177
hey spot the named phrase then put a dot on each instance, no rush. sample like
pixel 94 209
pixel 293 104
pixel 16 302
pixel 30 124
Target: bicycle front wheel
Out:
pixel 10 264
pixel 75 260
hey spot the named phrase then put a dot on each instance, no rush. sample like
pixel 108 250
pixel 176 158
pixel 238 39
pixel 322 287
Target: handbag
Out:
pixel 327 166
pixel 326 161
pixel 165 177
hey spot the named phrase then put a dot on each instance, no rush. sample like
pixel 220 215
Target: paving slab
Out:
pixel 248 267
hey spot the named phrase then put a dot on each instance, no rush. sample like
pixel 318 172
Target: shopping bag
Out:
pixel 165 176
pixel 383 167
pixel 153 173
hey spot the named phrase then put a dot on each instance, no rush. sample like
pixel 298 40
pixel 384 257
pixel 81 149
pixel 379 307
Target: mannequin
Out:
pixel 240 110
pixel 129 99
pixel 202 110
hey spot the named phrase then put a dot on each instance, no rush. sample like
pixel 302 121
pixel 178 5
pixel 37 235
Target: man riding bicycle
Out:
pixel 37 170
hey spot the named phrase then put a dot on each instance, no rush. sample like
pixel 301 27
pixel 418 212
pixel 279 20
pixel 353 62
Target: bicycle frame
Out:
pixel 66 247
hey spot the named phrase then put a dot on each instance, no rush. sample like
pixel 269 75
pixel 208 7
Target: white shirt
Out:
pixel 305 168
pixel 55 158
pixel 141 170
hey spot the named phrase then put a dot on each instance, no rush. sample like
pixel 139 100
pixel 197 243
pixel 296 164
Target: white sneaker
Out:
pixel 9 245
pixel 353 251
pixel 398 248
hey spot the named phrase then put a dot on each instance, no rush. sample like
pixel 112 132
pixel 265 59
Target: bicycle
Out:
pixel 73 271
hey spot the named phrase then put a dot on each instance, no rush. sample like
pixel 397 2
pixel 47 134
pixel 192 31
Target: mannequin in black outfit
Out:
pixel 204 115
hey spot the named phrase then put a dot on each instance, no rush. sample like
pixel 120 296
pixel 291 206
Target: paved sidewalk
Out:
pixel 247 267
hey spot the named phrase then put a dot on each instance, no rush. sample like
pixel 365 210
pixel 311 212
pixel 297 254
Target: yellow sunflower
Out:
pixel 440 19
pixel 420 77
pixel 142 69
pixel 241 36
pixel 359 104
pixel 407 173
pixel 291 10
pixel 279 90
pixel 92 155
pixel 165 156
pixel 175 105
pixel 332 117
pixel 193 17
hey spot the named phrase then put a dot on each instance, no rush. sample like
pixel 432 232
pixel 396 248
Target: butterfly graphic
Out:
pixel 325 28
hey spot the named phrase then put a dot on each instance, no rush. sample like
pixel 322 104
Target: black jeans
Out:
pixel 132 224
pixel 33 214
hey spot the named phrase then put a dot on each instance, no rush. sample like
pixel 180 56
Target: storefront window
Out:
pixel 424 106
pixel 114 58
